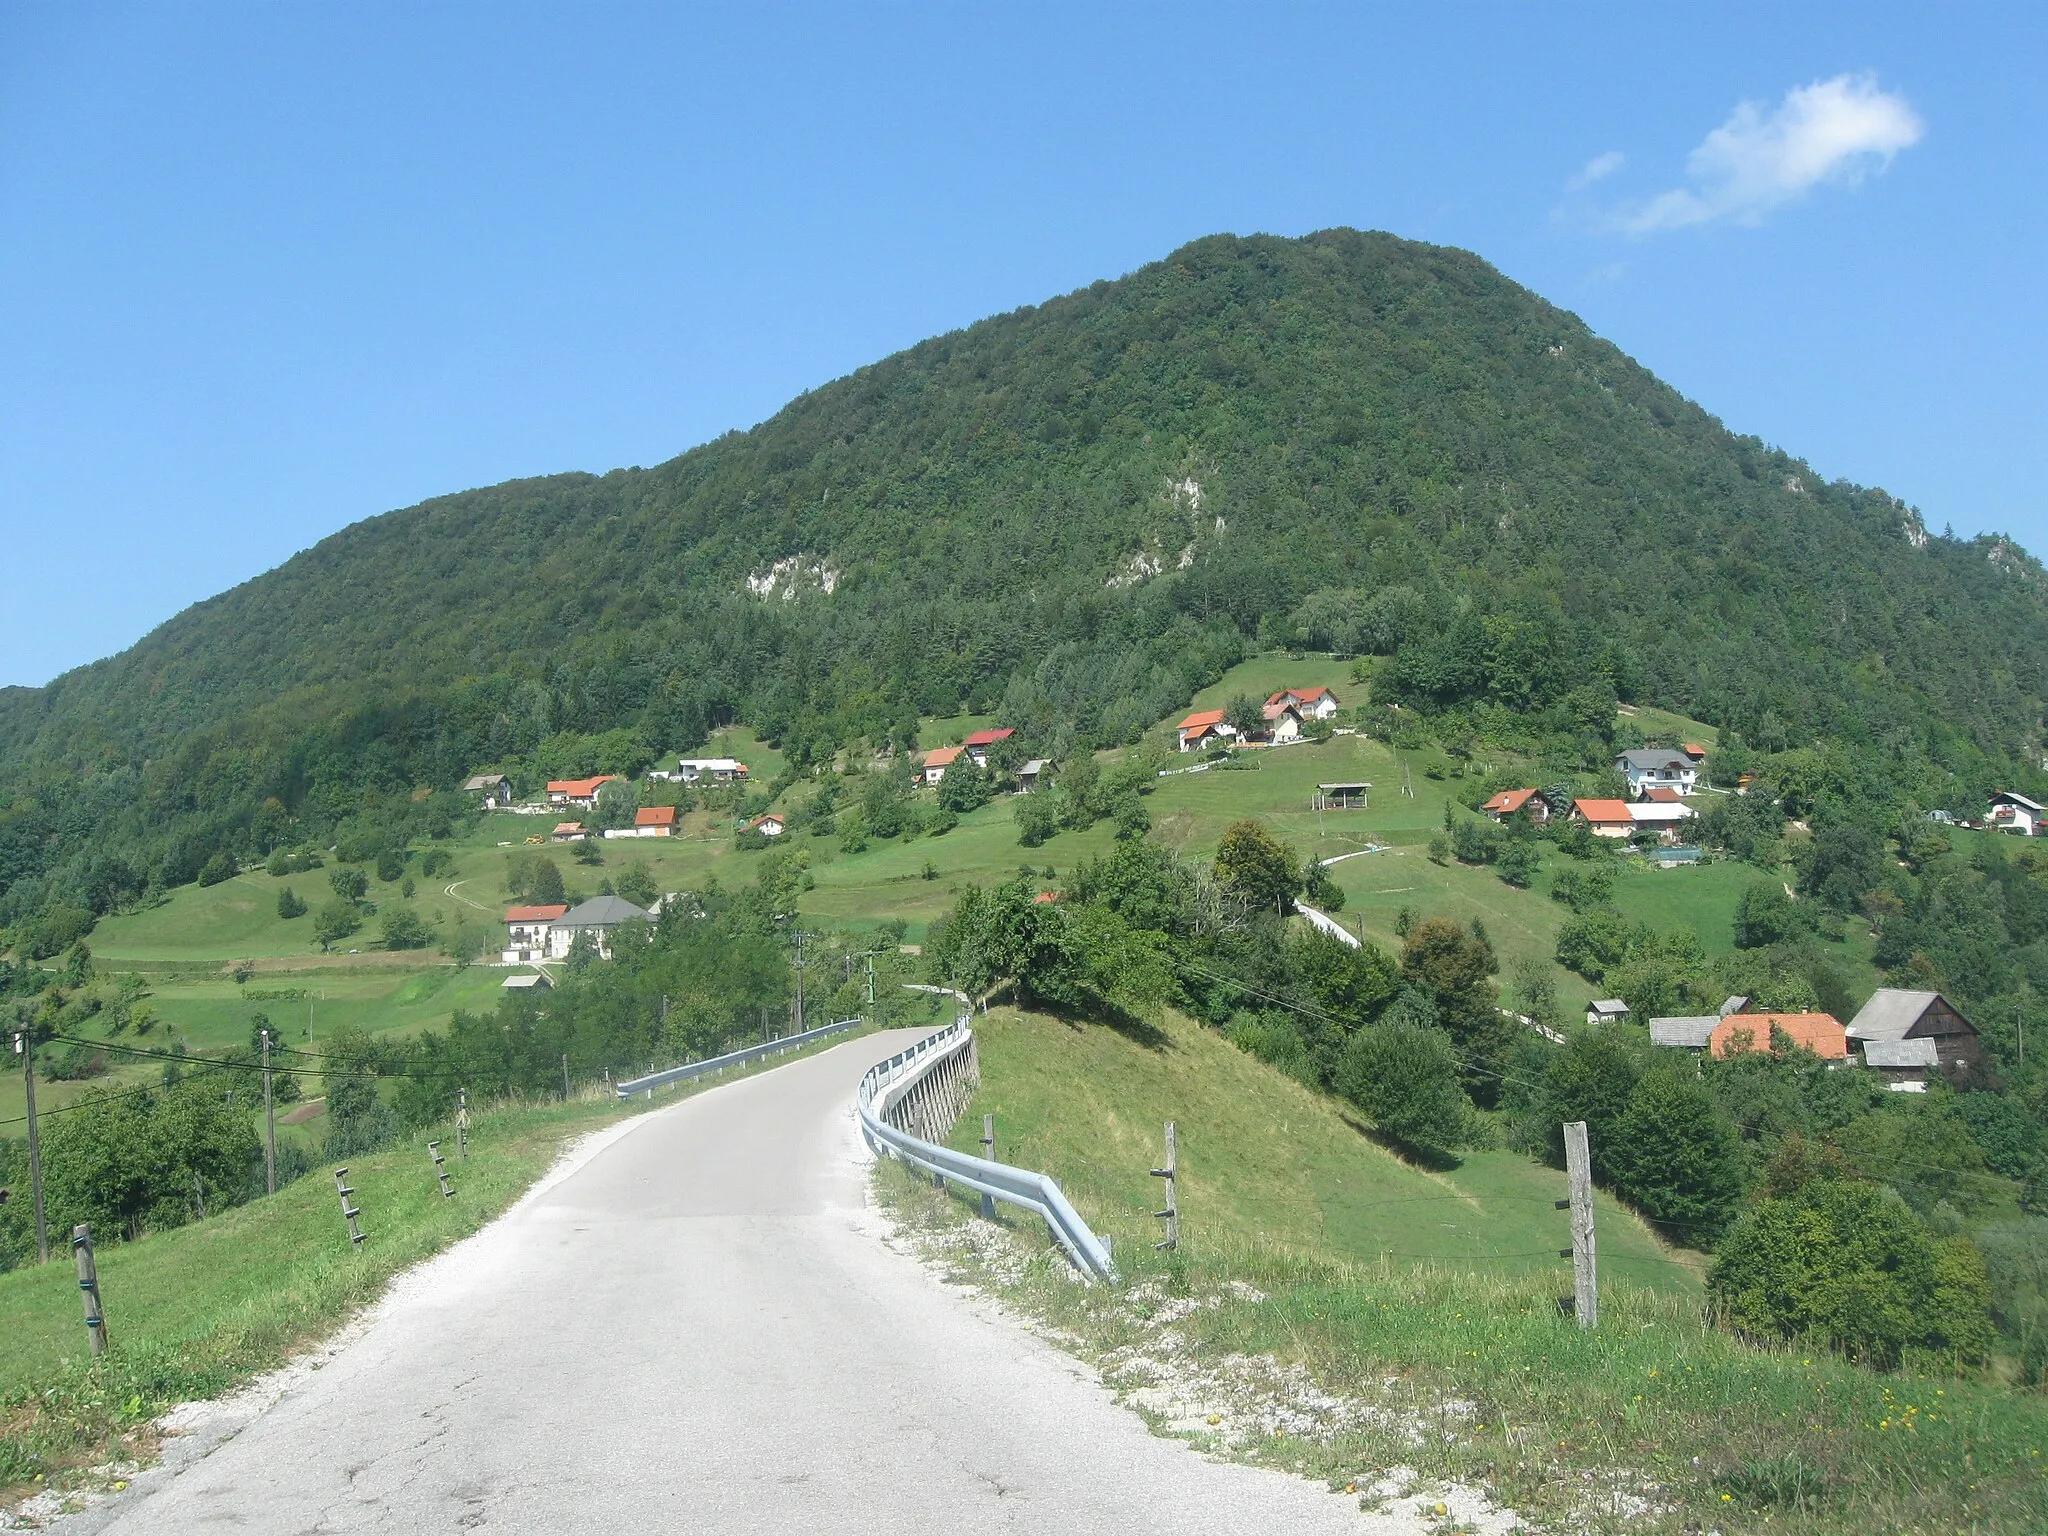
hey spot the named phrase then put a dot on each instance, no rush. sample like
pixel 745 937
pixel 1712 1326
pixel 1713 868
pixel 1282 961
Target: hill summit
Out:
pixel 1075 513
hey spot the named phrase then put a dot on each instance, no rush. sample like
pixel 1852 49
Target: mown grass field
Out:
pixel 1398 1287
pixel 1261 1153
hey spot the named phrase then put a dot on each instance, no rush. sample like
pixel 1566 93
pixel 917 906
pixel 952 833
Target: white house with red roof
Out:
pixel 977 745
pixel 579 792
pixel 937 761
pixel 1510 802
pixel 526 932
pixel 649 821
pixel 1309 703
pixel 770 825
pixel 1204 728
pixel 1283 723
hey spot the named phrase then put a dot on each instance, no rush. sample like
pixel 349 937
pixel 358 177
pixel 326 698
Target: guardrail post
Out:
pixel 89 1288
pixel 1170 1173
pixel 988 1153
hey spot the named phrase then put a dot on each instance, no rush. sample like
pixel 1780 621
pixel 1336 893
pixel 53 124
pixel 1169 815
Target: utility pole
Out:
pixel 269 1122
pixel 35 1146
pixel 565 1077
pixel 1578 1164
pixel 801 962
pixel 870 958
pixel 462 1123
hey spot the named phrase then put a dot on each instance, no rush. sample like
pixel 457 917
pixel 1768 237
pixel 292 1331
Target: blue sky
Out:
pixel 267 270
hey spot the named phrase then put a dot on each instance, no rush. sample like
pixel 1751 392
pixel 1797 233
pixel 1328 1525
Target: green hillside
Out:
pixel 1072 516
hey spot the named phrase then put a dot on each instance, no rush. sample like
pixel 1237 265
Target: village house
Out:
pixel 770 825
pixel 1308 703
pixel 2016 813
pixel 648 821
pixel 977 745
pixel 1283 724
pixel 1030 775
pixel 1512 802
pixel 938 760
pixel 1663 815
pixel 568 832
pixel 600 917
pixel 1606 818
pixel 1819 1033
pixel 579 792
pixel 1693 1032
pixel 689 770
pixel 1204 728
pixel 491 789
pixel 1657 768
pixel 526 932
pixel 1896 1014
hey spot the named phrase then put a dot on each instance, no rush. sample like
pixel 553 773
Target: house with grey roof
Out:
pixel 600 917
pixel 1691 1032
pixel 1649 768
pixel 1897 1014
pixel 1905 1064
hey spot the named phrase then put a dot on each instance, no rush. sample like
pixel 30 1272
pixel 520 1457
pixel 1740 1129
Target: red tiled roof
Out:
pixel 1603 810
pixel 534 914
pixel 762 821
pixel 1820 1033
pixel 940 757
pixel 1045 896
pixel 1664 795
pixel 655 816
pixel 1509 801
pixel 579 786
pixel 1275 711
pixel 1692 749
pixel 1201 718
pixel 568 826
pixel 990 738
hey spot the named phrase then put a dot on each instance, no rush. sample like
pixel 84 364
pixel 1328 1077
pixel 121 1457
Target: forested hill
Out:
pixel 1077 512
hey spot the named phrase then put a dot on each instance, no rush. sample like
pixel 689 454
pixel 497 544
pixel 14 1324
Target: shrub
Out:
pixel 1675 1156
pixel 1406 1080
pixel 1517 864
pixel 128 1163
pixel 406 929
pixel 216 869
pixel 390 864
pixel 335 920
pixel 60 926
pixel 289 905
pixel 1477 842
pixel 1037 819
pixel 1846 1263
pixel 1765 915
pixel 1583 889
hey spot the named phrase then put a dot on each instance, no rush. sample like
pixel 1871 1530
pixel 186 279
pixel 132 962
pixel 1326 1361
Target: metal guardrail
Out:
pixel 656 1080
pixel 888 1081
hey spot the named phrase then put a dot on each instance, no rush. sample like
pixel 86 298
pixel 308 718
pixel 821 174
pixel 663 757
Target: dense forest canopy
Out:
pixel 1074 514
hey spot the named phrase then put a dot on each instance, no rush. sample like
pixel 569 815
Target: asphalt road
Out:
pixel 699 1330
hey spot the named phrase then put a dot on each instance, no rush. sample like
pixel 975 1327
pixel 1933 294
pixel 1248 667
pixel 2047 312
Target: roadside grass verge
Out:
pixel 1451 1369
pixel 194 1312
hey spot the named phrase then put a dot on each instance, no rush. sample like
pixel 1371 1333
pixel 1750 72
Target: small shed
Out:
pixel 1906 1064
pixel 1343 797
pixel 1029 775
pixel 1609 1010
pixel 1691 1033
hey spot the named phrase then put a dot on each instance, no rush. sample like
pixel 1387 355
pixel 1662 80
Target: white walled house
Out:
pixel 1283 724
pixel 1309 703
pixel 1649 768
pixel 526 932
pixel 2016 813
pixel 689 770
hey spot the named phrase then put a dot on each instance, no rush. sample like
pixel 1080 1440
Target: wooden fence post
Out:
pixel 349 1212
pixel 1170 1173
pixel 89 1288
pixel 988 1152
pixel 440 1167
pixel 1578 1164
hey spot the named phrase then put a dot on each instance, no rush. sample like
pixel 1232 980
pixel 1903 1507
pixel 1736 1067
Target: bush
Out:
pixel 1583 889
pixel 289 905
pixel 1765 915
pixel 1675 1157
pixel 60 927
pixel 1276 1040
pixel 1477 842
pixel 390 864
pixel 1406 1080
pixel 216 869
pixel 335 921
pixel 1037 819
pixel 135 1162
pixel 1846 1263
pixel 406 929
pixel 1517 864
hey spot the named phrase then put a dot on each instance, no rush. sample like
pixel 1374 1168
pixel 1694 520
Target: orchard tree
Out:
pixel 1256 867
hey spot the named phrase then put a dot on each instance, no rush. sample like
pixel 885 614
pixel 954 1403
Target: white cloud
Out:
pixel 1595 168
pixel 1833 130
